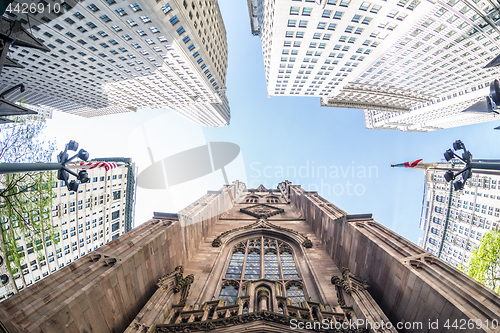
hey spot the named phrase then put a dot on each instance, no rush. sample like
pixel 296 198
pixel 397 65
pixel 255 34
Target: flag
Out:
pixel 95 165
pixel 412 164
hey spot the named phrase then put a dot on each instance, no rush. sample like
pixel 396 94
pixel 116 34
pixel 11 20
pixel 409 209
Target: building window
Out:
pixel 295 293
pixel 93 7
pixel 306 11
pixel 229 292
pixel 166 8
pixel 79 15
pixel 173 20
pixel 181 30
pixel 135 7
pixel 121 11
pixel 245 263
pixel 145 19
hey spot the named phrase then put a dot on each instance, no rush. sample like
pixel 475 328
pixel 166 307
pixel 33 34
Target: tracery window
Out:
pixel 261 258
pixel 272 200
pixel 252 200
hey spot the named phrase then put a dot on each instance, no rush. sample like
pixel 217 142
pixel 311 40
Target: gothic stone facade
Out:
pixel 256 261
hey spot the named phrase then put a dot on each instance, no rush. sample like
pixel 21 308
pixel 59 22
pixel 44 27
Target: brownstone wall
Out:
pixel 408 283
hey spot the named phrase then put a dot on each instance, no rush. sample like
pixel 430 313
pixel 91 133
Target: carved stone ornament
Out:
pixel 261 188
pixel 262 211
pixel 350 282
pixel 168 281
pixel 210 325
pixel 141 328
pixel 262 224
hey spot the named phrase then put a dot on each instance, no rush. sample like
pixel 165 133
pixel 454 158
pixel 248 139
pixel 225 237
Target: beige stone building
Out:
pixel 269 260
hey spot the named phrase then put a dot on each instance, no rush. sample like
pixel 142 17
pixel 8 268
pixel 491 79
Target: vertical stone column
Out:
pixel 156 309
pixel 366 309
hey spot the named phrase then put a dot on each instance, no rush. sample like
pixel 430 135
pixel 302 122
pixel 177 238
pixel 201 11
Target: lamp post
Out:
pixel 62 171
pixel 466 172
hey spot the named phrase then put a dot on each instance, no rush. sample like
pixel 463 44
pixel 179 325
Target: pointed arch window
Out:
pixel 252 269
pixel 229 292
pixel 295 293
pixel 252 200
pixel 271 265
pixel 288 265
pixel 272 200
pixel 235 265
pixel 261 258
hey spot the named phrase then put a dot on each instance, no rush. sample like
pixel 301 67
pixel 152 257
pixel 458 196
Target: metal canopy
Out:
pixel 14 34
pixel 495 62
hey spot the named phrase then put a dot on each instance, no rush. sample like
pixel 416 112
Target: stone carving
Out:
pixel 416 263
pixel 261 188
pixel 210 325
pixel 168 281
pixel 109 261
pixel 262 211
pixel 262 224
pixel 95 257
pixel 181 282
pixel 141 328
pixel 350 282
pixel 177 282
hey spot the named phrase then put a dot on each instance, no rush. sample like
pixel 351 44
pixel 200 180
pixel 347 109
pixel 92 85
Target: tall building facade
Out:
pixel 454 221
pixel 43 112
pixel 411 65
pixel 110 57
pixel 100 211
pixel 258 260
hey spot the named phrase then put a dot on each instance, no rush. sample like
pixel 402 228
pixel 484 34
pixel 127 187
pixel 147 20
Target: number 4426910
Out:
pixel 462 324
pixel 33 8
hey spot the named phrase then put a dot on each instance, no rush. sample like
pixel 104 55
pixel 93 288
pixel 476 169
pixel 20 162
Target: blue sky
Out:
pixel 281 138
pixel 294 131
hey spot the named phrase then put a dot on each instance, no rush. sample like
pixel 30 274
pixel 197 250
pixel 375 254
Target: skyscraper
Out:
pixel 43 112
pixel 77 224
pixel 454 221
pixel 270 260
pixel 110 57
pixel 410 65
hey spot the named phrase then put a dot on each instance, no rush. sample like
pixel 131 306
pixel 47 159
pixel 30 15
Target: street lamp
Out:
pixel 469 165
pixel 62 171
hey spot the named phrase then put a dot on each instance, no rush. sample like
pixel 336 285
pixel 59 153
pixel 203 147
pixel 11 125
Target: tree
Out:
pixel 484 264
pixel 25 198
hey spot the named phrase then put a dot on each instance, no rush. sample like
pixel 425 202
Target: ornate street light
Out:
pixel 62 171
pixel 469 165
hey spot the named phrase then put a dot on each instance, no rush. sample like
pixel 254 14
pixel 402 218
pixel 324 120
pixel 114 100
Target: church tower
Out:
pixel 255 260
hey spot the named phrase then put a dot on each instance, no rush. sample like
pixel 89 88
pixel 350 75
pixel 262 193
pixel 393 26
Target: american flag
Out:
pixel 407 164
pixel 95 165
